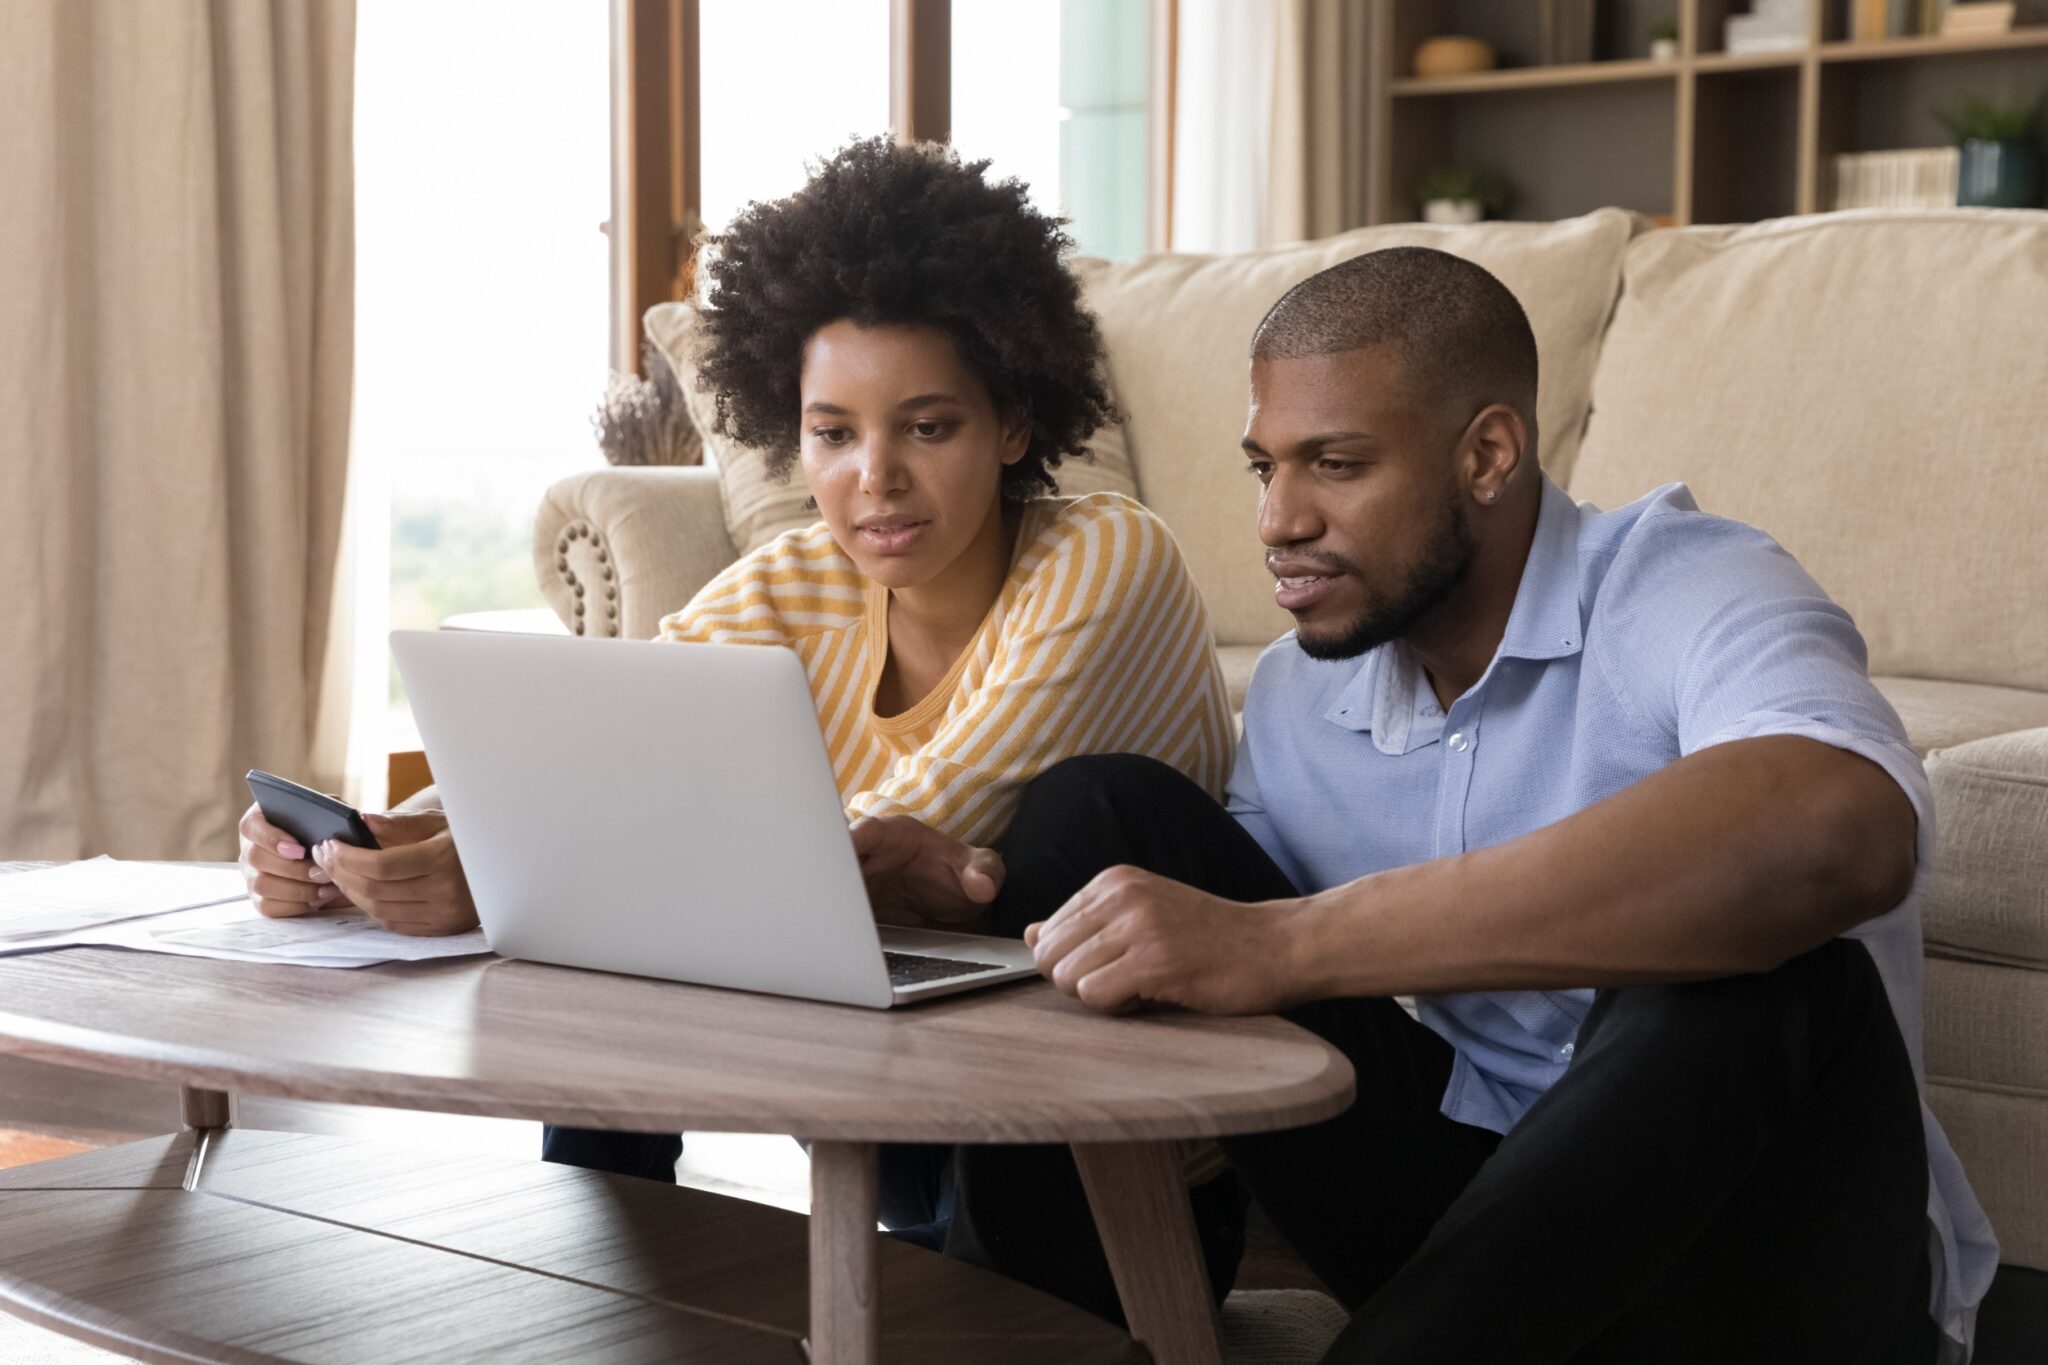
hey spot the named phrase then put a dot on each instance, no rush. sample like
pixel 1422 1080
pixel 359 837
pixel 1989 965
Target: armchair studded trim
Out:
pixel 585 565
pixel 615 550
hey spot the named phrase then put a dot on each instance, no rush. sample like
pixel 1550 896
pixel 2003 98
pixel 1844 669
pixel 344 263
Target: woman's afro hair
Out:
pixel 887 234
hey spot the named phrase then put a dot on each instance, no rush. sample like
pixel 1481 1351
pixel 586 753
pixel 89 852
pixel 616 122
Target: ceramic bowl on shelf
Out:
pixel 1452 55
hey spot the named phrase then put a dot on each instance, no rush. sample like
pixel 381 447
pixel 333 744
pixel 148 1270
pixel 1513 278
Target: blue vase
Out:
pixel 1999 175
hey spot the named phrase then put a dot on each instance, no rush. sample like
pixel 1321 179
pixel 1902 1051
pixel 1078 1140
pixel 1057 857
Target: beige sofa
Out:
pixel 1872 388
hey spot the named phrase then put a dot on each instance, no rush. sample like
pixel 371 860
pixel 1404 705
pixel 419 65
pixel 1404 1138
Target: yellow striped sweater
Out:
pixel 1097 643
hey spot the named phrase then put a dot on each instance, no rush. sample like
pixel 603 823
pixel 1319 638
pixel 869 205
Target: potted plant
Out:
pixel 1999 165
pixel 1459 194
pixel 644 421
pixel 1664 40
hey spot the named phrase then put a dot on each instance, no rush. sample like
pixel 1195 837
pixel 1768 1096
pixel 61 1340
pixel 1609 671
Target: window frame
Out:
pixel 658 128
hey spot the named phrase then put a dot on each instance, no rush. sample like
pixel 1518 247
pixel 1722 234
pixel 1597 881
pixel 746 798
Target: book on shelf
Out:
pixel 1770 26
pixel 1564 32
pixel 1871 21
pixel 1979 16
pixel 1916 178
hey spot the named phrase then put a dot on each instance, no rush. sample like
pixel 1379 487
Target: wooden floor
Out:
pixel 324 1248
pixel 54 1111
pixel 18 1148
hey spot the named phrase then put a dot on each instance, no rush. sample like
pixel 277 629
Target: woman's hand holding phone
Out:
pixel 412 884
pixel 283 880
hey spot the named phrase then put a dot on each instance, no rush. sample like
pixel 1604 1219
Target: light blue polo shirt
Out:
pixel 1637 636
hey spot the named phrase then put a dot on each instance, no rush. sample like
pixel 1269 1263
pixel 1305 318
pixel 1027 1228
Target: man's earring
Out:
pixel 1490 494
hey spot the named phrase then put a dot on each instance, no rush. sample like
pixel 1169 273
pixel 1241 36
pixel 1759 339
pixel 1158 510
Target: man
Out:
pixel 1611 795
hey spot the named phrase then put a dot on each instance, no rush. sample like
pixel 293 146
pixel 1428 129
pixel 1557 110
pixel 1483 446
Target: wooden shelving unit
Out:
pixel 1708 136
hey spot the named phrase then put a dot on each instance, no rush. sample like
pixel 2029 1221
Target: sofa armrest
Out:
pixel 1988 890
pixel 616 550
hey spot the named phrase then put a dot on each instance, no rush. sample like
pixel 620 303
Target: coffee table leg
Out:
pixel 1140 1200
pixel 845 1190
pixel 204 1109
pixel 205 1112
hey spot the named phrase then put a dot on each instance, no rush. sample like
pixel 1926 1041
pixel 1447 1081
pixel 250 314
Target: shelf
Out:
pixel 1536 78
pixel 1709 63
pixel 1718 136
pixel 1934 45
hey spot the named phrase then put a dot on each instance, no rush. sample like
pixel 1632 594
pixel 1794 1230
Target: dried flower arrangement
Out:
pixel 643 421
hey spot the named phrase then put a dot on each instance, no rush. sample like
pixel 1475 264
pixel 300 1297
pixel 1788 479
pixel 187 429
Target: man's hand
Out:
pixel 413 884
pixel 1130 937
pixel 919 877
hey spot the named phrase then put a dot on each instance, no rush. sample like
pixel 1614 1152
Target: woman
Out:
pixel 908 336
pixel 905 332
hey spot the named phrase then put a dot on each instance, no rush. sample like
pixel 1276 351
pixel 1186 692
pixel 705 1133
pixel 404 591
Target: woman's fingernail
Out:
pixel 326 895
pixel 287 849
pixel 322 851
pixel 316 874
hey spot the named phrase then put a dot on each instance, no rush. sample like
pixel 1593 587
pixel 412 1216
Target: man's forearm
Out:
pixel 1732 860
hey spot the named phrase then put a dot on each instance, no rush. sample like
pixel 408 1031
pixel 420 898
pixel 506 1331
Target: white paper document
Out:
pixel 336 938
pixel 193 910
pixel 100 891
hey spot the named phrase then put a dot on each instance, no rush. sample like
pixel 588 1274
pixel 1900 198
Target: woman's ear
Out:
pixel 1016 436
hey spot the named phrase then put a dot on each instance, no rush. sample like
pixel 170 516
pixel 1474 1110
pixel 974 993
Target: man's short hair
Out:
pixel 1459 331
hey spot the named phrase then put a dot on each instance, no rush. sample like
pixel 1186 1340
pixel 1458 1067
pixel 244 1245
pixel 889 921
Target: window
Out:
pixel 782 85
pixel 1053 92
pixel 482 178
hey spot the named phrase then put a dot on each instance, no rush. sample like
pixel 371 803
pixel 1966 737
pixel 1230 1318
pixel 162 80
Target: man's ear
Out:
pixel 1496 439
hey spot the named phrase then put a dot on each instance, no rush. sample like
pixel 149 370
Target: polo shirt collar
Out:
pixel 1385 696
pixel 1545 622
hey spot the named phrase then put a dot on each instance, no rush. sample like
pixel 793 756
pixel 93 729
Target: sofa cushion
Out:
pixel 759 508
pixel 1984 1025
pixel 2002 1141
pixel 1869 388
pixel 1179 327
pixel 1988 891
pixel 1939 715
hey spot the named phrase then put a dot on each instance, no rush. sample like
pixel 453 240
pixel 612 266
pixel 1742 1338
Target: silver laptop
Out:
pixel 664 810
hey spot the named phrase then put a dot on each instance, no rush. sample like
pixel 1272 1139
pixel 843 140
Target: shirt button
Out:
pixel 1566 1051
pixel 1459 744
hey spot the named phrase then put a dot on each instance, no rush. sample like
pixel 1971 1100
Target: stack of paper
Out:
pixel 336 938
pixel 74 897
pixel 193 910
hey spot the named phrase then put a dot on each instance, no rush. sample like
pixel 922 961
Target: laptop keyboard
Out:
pixel 914 969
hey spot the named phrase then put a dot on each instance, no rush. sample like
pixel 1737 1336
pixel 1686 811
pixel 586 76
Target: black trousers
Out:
pixel 1729 1170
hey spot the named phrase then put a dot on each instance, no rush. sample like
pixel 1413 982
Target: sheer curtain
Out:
pixel 176 319
pixel 1269 136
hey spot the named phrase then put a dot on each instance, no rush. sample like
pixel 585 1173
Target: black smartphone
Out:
pixel 310 817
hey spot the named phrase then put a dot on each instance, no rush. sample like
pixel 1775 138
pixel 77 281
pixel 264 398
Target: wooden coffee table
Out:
pixel 243 1246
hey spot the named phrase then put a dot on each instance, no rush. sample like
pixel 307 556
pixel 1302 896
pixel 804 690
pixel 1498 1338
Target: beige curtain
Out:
pixel 1270 107
pixel 176 333
pixel 1316 173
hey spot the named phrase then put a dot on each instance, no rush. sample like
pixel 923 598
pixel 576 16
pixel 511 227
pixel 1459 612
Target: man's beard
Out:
pixel 1446 556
